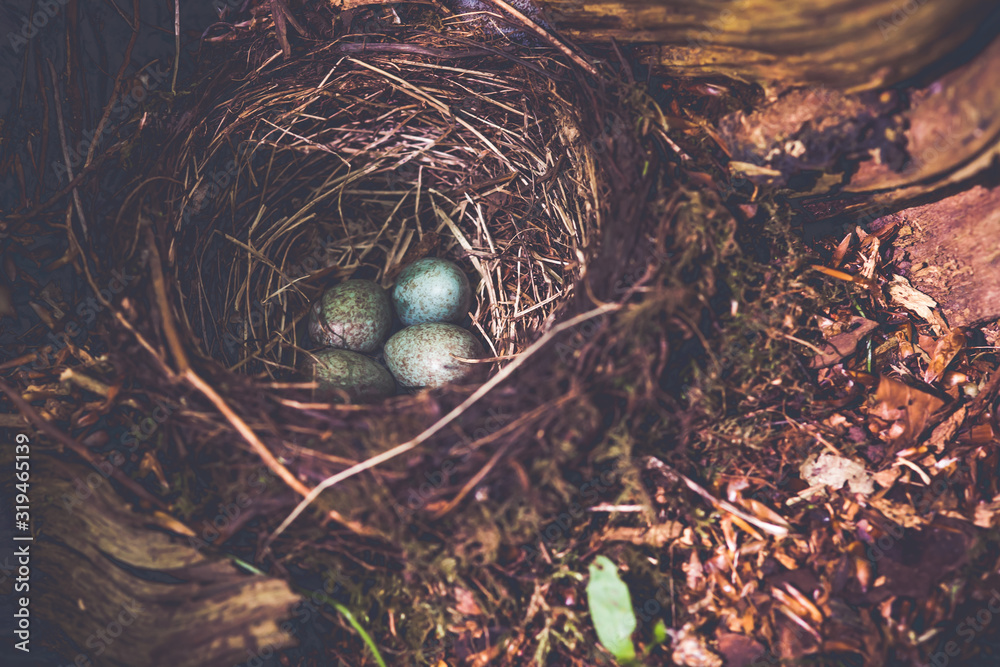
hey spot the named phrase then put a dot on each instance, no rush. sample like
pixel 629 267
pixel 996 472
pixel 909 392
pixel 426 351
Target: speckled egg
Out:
pixel 422 355
pixel 362 378
pixel 431 290
pixel 355 315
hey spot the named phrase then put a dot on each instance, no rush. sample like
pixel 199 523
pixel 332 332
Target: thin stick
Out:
pixel 545 35
pixel 724 505
pixel 117 85
pixel 177 45
pixel 160 290
pixel 185 370
pixel 45 427
pixel 444 421
pixel 65 147
pixel 258 447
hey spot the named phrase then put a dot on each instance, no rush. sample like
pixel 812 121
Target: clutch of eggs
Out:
pixel 355 316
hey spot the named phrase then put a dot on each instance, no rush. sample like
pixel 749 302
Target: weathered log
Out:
pixel 844 44
pixel 952 248
pixel 877 153
pixel 124 592
pixel 857 158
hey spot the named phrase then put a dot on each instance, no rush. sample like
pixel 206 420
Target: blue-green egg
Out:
pixel 431 290
pixel 363 379
pixel 424 355
pixel 354 315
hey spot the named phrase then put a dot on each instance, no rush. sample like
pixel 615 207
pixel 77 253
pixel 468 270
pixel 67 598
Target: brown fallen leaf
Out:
pixel 844 344
pixel 737 649
pixel 904 294
pixel 6 302
pixel 657 536
pixel 690 649
pixel 466 602
pixel 946 430
pixel 150 464
pixel 945 350
pixel 908 411
pixel 988 514
pixel 871 261
pixel 841 251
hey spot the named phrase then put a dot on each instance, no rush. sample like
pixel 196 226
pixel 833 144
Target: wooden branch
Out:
pixel 125 593
pixel 857 43
pixel 942 135
pixel 953 246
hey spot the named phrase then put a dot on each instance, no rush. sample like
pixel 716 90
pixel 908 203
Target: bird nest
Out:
pixel 282 177
pixel 339 167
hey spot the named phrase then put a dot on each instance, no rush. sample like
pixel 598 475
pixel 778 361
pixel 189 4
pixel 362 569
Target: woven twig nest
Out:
pixel 591 269
pixel 302 174
pixel 345 167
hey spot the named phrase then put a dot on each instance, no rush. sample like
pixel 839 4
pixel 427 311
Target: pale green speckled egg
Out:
pixel 431 290
pixel 421 355
pixel 362 378
pixel 354 315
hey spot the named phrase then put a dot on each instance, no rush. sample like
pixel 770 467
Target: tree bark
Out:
pixel 855 44
pixel 870 155
pixel 953 251
pixel 124 592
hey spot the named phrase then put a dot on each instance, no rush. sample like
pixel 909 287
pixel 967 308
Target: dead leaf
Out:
pixel 466 602
pixel 689 649
pixel 905 338
pixel 844 344
pixel 915 301
pixel 907 410
pixel 835 471
pixel 738 649
pixel 886 478
pixel 988 514
pixel 838 255
pixel 6 302
pixel 871 262
pixel 944 352
pixel 946 430
pixel 899 513
pixel 657 536
pixel 150 464
pixel 763 512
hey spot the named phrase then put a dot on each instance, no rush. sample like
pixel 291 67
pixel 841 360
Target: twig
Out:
pixel 65 147
pixel 545 35
pixel 551 407
pixel 407 87
pixel 126 60
pixel 413 49
pixel 280 28
pixel 770 528
pixel 474 482
pixel 160 289
pixel 177 45
pixel 444 421
pixel 45 427
pixel 492 49
pixel 185 370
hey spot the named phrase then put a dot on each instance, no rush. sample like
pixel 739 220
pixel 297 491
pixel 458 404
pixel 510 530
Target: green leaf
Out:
pixel 344 611
pixel 659 632
pixel 611 609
